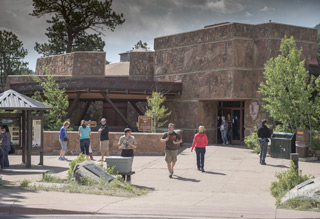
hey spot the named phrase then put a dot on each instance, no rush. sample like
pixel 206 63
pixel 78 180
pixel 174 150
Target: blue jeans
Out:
pixel 200 157
pixel 6 158
pixel 1 158
pixel 224 136
pixel 84 146
pixel 263 151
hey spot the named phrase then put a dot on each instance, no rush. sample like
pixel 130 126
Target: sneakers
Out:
pixel 61 158
pixel 202 170
pixel 263 163
pixel 170 175
pixel 64 158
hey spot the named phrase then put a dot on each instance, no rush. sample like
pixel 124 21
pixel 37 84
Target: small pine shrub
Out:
pixel 286 181
pixel 315 142
pixel 252 141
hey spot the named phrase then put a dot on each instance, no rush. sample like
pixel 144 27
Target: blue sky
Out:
pixel 148 19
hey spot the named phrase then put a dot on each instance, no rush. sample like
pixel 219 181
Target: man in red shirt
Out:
pixel 200 141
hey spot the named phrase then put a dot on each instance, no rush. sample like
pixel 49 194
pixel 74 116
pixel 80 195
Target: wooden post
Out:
pixel 29 139
pixel 84 111
pixel 41 152
pixel 118 111
pixel 73 106
pixel 23 136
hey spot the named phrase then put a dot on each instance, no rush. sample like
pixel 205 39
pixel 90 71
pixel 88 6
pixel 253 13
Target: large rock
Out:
pixel 90 170
pixel 307 189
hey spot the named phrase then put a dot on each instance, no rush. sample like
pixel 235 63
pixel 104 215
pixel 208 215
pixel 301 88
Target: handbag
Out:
pixel 12 150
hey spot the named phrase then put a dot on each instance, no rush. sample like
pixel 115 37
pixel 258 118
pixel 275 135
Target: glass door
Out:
pixel 236 132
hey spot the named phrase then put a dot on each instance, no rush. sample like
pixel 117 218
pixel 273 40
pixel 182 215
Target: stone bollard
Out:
pixel 295 158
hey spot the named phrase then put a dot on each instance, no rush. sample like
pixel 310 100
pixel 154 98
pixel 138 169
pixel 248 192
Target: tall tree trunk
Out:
pixel 70 42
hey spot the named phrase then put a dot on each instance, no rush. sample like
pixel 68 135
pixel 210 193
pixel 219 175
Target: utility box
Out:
pixel 282 144
pixel 121 164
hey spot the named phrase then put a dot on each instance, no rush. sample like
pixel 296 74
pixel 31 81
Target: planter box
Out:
pixel 121 164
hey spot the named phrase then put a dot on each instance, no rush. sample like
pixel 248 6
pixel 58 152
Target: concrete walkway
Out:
pixel 234 185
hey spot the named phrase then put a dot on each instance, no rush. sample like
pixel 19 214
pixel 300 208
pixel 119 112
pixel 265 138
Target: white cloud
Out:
pixel 221 6
pixel 266 8
pixel 248 14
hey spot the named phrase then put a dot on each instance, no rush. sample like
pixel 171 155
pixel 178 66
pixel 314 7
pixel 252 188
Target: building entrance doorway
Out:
pixel 233 111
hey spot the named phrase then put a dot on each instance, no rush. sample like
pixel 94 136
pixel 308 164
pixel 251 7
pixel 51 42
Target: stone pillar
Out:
pixel 141 65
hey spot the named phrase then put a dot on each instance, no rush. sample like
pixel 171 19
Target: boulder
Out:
pixel 307 189
pixel 90 170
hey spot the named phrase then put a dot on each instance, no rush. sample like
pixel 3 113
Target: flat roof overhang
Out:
pixel 92 87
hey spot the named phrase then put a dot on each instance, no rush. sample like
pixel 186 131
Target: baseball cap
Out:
pixel 103 120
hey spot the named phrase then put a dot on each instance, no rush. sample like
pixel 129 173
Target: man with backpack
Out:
pixel 173 141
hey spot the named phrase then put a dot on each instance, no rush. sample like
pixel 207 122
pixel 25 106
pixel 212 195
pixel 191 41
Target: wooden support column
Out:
pixel 118 111
pixel 84 111
pixel 29 139
pixel 136 108
pixel 76 100
pixel 23 136
pixel 41 152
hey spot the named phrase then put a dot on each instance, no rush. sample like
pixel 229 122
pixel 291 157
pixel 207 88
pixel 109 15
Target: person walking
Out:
pixel 6 145
pixel 63 139
pixel 263 134
pixel 173 141
pixel 85 133
pixel 127 143
pixel 229 121
pixel 1 158
pixel 200 141
pixel 104 138
pixel 224 129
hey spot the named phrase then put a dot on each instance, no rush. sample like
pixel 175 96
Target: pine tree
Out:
pixel 157 110
pixel 55 97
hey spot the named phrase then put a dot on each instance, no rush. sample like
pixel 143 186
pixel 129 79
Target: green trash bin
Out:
pixel 282 144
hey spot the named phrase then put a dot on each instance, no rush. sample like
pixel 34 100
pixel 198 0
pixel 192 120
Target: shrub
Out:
pixel 24 183
pixel 315 142
pixel 47 177
pixel 252 141
pixel 302 204
pixel 286 181
pixel 73 163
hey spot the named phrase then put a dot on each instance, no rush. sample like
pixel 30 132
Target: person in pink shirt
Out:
pixel 200 141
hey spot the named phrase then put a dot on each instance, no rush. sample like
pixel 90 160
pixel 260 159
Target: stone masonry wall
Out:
pixel 148 143
pixel 141 66
pixel 221 63
pixel 75 63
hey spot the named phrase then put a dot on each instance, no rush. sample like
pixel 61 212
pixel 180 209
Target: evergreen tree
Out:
pixel 12 54
pixel 55 97
pixel 142 45
pixel 71 19
pixel 157 110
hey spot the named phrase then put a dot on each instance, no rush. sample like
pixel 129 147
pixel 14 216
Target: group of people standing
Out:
pixel 126 143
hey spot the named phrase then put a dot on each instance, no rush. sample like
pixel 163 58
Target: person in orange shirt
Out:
pixel 200 141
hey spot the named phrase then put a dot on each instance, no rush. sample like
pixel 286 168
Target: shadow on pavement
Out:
pixel 280 166
pixel 21 168
pixel 215 173
pixel 185 179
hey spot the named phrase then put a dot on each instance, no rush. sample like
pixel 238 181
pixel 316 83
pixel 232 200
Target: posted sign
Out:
pixel 145 123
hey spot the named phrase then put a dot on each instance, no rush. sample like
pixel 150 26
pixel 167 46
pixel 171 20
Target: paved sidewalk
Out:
pixel 234 185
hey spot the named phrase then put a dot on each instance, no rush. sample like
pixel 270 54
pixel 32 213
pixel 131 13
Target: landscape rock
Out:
pixel 307 189
pixel 88 169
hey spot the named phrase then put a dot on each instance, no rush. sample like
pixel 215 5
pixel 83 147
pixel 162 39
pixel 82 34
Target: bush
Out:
pixel 24 183
pixel 47 177
pixel 73 163
pixel 252 141
pixel 286 181
pixel 315 142
pixel 302 204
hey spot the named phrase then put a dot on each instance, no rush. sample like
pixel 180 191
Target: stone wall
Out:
pixel 148 143
pixel 141 65
pixel 75 63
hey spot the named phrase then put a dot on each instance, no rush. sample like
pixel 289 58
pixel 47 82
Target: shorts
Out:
pixel 171 156
pixel 104 145
pixel 63 145
pixel 127 153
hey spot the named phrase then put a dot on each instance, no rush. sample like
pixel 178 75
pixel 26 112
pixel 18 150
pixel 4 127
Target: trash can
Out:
pixel 121 164
pixel 303 142
pixel 282 144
